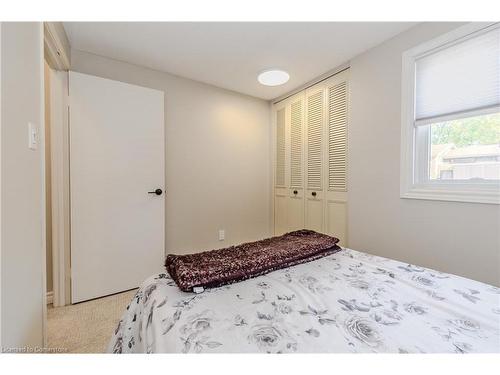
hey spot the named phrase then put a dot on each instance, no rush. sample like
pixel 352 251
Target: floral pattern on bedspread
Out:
pixel 346 302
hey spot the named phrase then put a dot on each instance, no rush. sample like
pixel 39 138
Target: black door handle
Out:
pixel 157 192
pixel 295 192
pixel 313 193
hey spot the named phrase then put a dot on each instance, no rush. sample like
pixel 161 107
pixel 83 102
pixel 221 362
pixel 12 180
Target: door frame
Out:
pixel 59 138
pixel 56 51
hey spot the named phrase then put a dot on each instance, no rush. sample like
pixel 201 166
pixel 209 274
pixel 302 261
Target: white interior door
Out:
pixel 116 158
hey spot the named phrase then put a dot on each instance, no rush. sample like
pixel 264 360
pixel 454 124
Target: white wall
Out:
pixel 217 157
pixel 22 209
pixel 460 238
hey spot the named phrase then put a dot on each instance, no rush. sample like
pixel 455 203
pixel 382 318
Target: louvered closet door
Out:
pixel 296 191
pixel 315 116
pixel 337 91
pixel 280 175
pixel 310 187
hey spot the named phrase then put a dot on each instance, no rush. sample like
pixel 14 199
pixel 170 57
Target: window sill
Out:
pixel 490 195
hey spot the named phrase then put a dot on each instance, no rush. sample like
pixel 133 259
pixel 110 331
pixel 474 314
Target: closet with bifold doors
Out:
pixel 310 159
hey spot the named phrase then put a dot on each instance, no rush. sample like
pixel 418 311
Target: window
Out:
pixel 451 117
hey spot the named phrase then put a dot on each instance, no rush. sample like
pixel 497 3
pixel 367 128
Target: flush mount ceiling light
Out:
pixel 273 77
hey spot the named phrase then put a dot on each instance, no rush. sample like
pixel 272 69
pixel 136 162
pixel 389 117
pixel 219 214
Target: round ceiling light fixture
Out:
pixel 273 77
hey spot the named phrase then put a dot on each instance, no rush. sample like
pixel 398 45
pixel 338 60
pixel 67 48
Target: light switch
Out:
pixel 32 136
pixel 222 235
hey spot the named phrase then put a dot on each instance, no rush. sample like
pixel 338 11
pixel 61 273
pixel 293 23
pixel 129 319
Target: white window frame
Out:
pixel 415 183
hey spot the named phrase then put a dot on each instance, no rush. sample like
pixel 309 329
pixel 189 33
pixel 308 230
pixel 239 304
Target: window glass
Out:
pixel 465 149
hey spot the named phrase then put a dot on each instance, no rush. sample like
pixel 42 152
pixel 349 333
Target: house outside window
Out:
pixel 451 117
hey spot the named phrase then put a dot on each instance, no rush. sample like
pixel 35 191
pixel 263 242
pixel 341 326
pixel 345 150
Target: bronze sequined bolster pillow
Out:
pixel 236 263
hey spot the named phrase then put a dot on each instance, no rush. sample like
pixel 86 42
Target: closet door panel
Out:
pixel 337 137
pixel 295 213
pixel 314 124
pixel 280 160
pixel 296 143
pixel 296 197
pixel 280 172
pixel 314 214
pixel 314 210
pixel 337 224
pixel 337 98
pixel 280 213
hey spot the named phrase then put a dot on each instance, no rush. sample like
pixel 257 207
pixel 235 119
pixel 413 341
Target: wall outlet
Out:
pixel 222 234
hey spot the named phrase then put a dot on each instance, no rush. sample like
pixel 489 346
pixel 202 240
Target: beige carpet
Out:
pixel 86 327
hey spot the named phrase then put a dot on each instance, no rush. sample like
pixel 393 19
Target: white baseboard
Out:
pixel 50 297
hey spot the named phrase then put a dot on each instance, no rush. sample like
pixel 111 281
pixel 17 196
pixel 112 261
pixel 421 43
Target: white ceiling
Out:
pixel 230 55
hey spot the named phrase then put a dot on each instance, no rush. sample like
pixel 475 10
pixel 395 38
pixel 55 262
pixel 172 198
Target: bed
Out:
pixel 345 302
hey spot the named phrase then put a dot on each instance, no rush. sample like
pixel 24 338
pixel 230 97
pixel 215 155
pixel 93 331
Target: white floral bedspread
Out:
pixel 347 302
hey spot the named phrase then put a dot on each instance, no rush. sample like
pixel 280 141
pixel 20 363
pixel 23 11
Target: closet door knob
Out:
pixel 313 193
pixel 295 192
